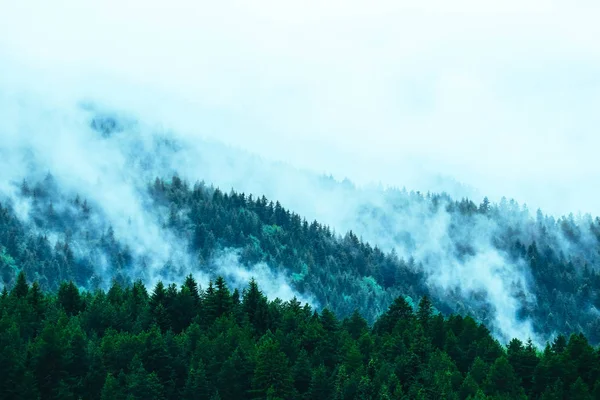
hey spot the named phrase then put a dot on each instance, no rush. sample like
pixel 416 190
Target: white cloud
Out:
pixel 501 96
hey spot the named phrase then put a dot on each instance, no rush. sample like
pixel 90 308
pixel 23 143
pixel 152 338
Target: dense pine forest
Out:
pixel 404 295
pixel 188 343
pixel 63 236
pixel 267 201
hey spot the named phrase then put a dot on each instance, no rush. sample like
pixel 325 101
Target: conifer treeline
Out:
pixel 192 343
pixel 339 271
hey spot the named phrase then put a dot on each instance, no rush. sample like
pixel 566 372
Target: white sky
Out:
pixel 503 97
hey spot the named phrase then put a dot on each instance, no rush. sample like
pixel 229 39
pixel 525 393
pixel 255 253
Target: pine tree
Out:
pixel 37 300
pixel 399 311
pixel 192 286
pixel 365 389
pixel 96 375
pixel 479 396
pixel 469 387
pixel 479 371
pixel 184 309
pixel 70 299
pixel 196 386
pixel 28 388
pixel 330 345
pixel 155 356
pixel 158 297
pixel 210 305
pixel 272 370
pixel 21 288
pixel 356 325
pixel 12 358
pixel 320 385
pixel 77 361
pixel 302 373
pixel 353 358
pixel 425 312
pixel 222 297
pixel 579 391
pixel 111 389
pixel 234 378
pixel 142 385
pixel 254 304
pixel 437 331
pixel 501 379
pixel 524 360
pixel 48 353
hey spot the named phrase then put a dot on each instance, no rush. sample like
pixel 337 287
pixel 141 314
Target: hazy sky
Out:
pixel 502 97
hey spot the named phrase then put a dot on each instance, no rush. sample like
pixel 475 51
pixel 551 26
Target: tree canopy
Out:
pixel 188 342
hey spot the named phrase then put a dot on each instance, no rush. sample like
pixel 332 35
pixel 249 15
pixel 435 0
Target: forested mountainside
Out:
pixel 547 267
pixel 182 342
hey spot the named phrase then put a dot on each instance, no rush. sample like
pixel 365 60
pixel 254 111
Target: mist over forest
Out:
pixel 94 194
pixel 299 200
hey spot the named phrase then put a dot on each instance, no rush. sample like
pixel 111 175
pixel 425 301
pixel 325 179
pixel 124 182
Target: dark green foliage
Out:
pixel 52 347
pixel 341 271
pixel 302 373
pixel 502 380
pixel 524 361
pixel 320 385
pixel 272 374
pixel 196 386
pixel 21 288
pixel 70 299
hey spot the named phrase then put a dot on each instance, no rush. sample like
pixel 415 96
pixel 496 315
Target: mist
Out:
pixel 393 93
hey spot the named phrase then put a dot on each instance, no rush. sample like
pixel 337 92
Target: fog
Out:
pixel 263 97
pixel 499 97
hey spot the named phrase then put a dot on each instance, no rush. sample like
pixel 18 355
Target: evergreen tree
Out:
pixel 501 380
pixel 254 304
pixel 196 386
pixel 223 300
pixel 12 360
pixel 579 391
pixel 70 299
pixel 302 373
pixel 356 325
pixel 142 385
pixel 21 288
pixel 399 311
pixel 235 376
pixel 469 387
pixel 272 370
pixel 111 389
pixel 320 385
pixel 121 345
pixel 425 312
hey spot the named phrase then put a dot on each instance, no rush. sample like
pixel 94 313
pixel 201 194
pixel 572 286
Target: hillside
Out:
pixel 274 200
pixel 185 343
pixel 540 273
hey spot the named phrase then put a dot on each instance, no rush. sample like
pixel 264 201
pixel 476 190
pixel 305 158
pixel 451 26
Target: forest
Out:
pixel 188 343
pixel 66 237
pixel 267 201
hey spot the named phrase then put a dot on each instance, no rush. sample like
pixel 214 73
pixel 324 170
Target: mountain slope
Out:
pixel 80 200
pixel 230 234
